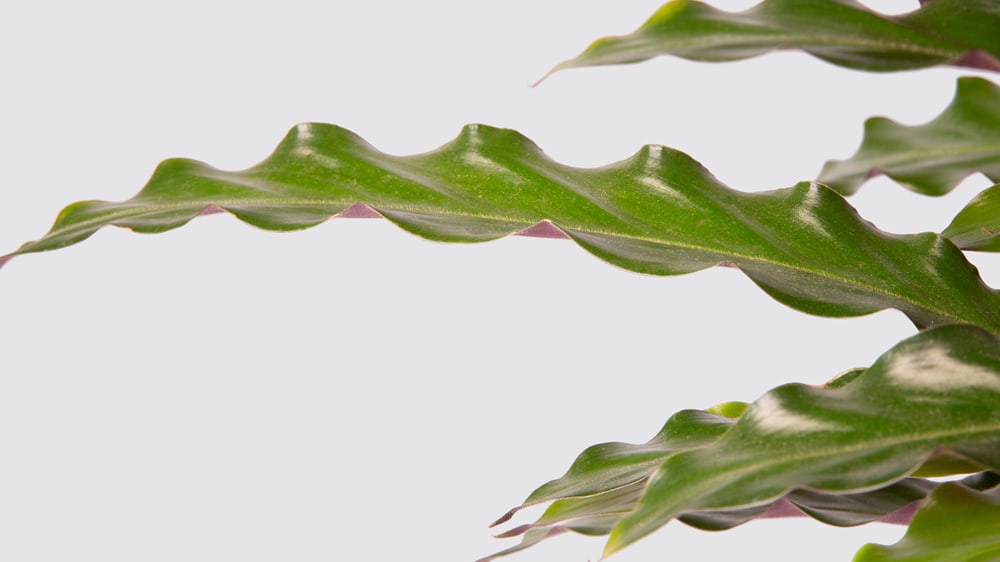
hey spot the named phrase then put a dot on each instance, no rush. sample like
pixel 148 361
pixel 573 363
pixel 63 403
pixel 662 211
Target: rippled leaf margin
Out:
pixel 862 436
pixel 606 482
pixel 931 158
pixel 659 212
pixel 955 523
pixel 842 32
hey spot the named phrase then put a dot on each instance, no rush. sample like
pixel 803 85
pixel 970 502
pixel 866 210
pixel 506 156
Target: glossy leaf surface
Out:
pixel 977 225
pixel 842 32
pixel 955 523
pixel 865 435
pixel 659 212
pixel 934 157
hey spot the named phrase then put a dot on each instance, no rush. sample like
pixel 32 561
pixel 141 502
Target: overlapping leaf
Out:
pixel 955 523
pixel 934 157
pixel 934 392
pixel 658 212
pixel 606 482
pixel 842 32
pixel 977 226
pixel 600 513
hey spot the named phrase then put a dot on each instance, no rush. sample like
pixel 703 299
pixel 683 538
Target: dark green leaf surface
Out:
pixel 977 226
pixel 955 524
pixel 931 158
pixel 659 212
pixel 842 32
pixel 936 391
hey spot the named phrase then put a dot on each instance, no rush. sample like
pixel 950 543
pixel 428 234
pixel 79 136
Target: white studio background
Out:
pixel 351 392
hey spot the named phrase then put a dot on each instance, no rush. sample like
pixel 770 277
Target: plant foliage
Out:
pixel 931 158
pixel 659 212
pixel 842 32
pixel 855 450
pixel 956 523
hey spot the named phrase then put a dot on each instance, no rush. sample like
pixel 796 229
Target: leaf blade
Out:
pixel 931 158
pixel 863 436
pixel 842 32
pixel 977 226
pixel 659 212
pixel 955 523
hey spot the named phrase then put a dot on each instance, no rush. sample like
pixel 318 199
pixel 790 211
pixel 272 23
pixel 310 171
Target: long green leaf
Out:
pixel 934 157
pixel 843 32
pixel 936 391
pixel 658 212
pixel 955 523
pixel 977 225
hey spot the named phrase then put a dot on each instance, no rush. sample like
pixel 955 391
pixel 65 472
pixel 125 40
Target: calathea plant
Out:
pixel 857 449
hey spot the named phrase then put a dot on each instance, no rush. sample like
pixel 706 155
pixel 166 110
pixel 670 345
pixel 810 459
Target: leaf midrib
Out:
pixel 802 42
pixel 854 166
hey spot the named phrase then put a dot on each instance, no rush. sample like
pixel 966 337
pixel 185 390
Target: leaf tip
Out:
pixel 506 517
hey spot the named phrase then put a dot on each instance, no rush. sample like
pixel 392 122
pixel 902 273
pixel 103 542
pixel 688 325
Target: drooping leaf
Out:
pixel 934 157
pixel 843 32
pixel 955 523
pixel 659 212
pixel 936 391
pixel 977 225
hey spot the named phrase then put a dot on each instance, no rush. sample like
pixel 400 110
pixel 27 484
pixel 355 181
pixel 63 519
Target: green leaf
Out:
pixel 842 32
pixel 598 514
pixel 606 482
pixel 610 466
pixel 955 523
pixel 931 158
pixel 659 212
pixel 936 391
pixel 977 225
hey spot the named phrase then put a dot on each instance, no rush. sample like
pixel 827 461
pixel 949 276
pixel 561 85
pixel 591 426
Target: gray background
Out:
pixel 350 391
